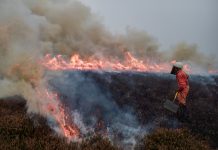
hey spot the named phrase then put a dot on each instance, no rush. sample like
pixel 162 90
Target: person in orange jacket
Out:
pixel 183 89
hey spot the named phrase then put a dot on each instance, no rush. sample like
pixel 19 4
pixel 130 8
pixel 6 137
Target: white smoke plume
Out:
pixel 29 29
pixel 190 53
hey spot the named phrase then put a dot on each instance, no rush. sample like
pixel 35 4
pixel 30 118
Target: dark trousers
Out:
pixel 182 113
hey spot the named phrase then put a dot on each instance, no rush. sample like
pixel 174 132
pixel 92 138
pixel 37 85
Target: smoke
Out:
pixel 29 29
pixel 97 110
pixel 190 53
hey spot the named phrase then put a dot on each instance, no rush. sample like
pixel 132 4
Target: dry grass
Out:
pixel 20 131
pixel 168 139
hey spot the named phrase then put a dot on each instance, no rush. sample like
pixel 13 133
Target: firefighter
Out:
pixel 183 89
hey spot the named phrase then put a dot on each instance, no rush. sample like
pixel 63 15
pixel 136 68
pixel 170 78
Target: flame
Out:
pixel 213 71
pixel 129 64
pixel 54 108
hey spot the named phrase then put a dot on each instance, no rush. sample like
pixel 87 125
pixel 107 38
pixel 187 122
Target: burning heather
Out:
pixel 56 110
pixel 41 39
pixel 129 64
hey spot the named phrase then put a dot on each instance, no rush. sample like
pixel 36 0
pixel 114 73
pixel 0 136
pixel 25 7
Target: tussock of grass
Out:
pixel 168 139
pixel 97 143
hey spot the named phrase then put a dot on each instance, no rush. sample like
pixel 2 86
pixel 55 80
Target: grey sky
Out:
pixel 169 21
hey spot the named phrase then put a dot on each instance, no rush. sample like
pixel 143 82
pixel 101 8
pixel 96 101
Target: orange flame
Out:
pixel 58 111
pixel 54 108
pixel 129 64
pixel 213 71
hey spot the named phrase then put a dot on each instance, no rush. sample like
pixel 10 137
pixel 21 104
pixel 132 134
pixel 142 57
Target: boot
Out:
pixel 182 113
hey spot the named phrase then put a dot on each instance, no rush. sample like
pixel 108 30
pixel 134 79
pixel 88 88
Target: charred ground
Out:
pixel 142 93
pixel 147 92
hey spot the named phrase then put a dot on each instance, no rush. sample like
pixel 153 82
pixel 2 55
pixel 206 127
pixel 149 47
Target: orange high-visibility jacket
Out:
pixel 182 80
pixel 183 85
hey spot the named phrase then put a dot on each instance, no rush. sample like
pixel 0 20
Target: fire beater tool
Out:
pixel 170 105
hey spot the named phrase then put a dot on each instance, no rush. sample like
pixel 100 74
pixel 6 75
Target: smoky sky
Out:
pixel 169 21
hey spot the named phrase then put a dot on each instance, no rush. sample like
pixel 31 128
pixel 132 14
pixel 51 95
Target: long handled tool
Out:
pixel 170 105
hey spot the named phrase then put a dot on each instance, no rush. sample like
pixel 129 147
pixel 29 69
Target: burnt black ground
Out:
pixel 145 93
pixel 142 93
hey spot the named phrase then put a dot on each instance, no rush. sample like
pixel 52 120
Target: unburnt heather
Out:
pixel 130 98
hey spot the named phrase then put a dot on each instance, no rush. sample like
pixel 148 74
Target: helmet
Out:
pixel 178 65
